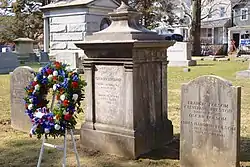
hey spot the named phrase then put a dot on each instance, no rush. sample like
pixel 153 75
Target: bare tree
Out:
pixel 198 11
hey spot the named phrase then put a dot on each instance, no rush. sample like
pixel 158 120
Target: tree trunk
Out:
pixel 196 28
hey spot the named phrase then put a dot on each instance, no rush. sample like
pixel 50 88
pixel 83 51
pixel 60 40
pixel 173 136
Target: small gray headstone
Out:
pixel 8 62
pixel 70 58
pixel 243 74
pixel 210 123
pixel 20 78
pixel 44 57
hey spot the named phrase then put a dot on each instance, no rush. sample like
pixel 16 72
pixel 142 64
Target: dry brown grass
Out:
pixel 18 150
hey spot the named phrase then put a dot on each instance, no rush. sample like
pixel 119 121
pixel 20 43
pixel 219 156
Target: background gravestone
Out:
pixel 70 58
pixel 243 74
pixel 8 62
pixel 210 123
pixel 44 58
pixel 20 78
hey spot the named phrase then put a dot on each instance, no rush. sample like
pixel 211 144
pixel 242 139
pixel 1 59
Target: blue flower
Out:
pixel 65 83
pixel 75 78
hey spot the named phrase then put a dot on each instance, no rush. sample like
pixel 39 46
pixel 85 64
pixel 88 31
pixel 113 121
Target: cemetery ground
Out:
pixel 18 149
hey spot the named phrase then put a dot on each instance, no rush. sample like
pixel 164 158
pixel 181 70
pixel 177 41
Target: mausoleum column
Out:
pixel 46 34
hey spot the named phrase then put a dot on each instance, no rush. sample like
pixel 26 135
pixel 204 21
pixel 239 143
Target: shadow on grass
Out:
pixel 169 151
pixel 205 65
pixel 23 152
pixel 245 149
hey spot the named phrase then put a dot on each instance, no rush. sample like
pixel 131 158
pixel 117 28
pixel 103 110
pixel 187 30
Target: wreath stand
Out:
pixel 64 148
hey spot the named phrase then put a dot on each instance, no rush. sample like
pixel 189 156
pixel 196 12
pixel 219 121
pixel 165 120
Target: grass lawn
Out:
pixel 17 149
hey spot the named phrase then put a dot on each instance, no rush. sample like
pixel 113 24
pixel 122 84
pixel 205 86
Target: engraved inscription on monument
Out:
pixel 109 82
pixel 210 123
pixel 20 78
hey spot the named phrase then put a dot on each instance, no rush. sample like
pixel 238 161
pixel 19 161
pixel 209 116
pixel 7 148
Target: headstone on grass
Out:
pixel 8 62
pixel 243 74
pixel 44 58
pixel 210 123
pixel 70 58
pixel 19 79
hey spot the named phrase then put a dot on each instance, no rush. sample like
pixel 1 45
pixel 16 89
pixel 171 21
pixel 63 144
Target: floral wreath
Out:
pixel 67 87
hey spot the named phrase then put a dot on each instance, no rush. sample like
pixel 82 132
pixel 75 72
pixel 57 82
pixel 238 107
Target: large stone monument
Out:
pixel 126 93
pixel 24 50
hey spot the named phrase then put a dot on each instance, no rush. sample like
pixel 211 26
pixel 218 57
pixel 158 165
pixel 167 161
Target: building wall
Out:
pixel 65 26
pixel 218 10
pixel 238 14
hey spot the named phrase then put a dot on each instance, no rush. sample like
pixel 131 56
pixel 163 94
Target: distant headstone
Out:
pixel 186 69
pixel 70 58
pixel 244 73
pixel 44 58
pixel 180 55
pixel 8 62
pixel 210 123
pixel 20 78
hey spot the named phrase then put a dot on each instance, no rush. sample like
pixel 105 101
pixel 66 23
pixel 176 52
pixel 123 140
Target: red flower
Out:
pixel 54 78
pixel 49 71
pixel 26 105
pixel 34 83
pixel 74 84
pixel 65 103
pixel 67 117
pixel 57 64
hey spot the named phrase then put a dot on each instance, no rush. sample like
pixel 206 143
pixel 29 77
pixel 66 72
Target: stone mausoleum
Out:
pixel 66 22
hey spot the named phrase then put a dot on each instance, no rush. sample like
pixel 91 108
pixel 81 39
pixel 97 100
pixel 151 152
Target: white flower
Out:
pixel 30 106
pixel 75 97
pixel 50 77
pixel 31 100
pixel 46 130
pixel 57 127
pixel 35 79
pixel 68 79
pixel 44 76
pixel 54 87
pixel 39 114
pixel 37 87
pixel 40 69
pixel 62 97
pixel 65 112
pixel 68 69
pixel 55 73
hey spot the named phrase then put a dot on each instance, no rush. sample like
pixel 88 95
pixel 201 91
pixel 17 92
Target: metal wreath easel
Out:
pixel 64 148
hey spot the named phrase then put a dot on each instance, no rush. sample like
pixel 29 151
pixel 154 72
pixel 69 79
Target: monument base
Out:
pixel 243 74
pixel 182 63
pixel 125 142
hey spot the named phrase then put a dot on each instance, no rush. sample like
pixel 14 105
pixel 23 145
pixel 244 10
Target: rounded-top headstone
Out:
pixel 20 78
